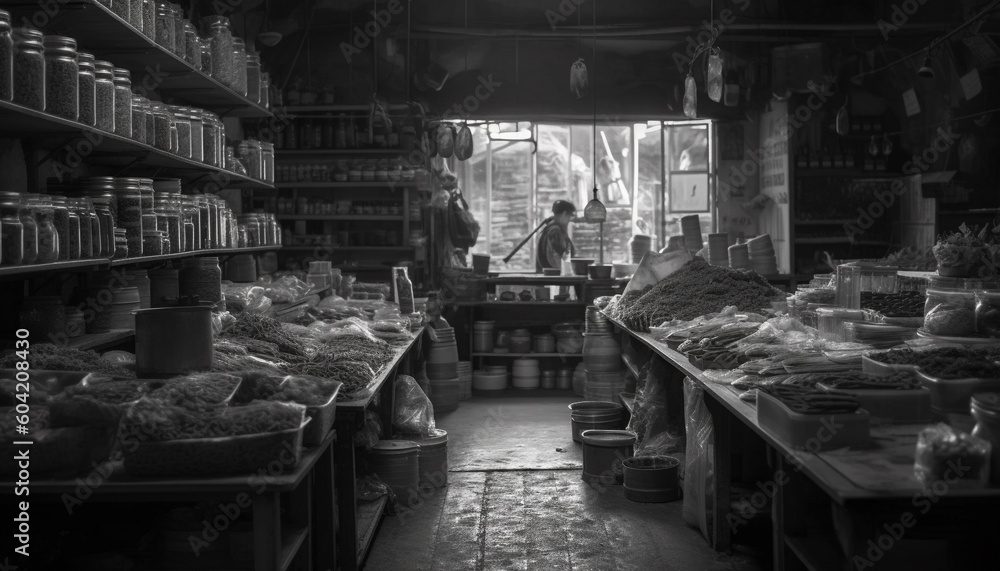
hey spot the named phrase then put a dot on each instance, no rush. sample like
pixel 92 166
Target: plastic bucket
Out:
pixel 397 464
pixel 651 479
pixel 588 415
pixel 603 454
pixel 433 458
pixel 442 357
pixel 482 336
pixel 604 386
pixel 445 394
pixel 601 353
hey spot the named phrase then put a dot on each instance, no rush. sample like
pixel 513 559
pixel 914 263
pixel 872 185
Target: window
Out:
pixel 510 189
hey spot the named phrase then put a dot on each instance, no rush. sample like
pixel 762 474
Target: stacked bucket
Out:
pixel 602 359
pixel 465 379
pixel 442 370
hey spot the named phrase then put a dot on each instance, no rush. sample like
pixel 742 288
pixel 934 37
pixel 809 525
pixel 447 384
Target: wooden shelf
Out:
pixel 517 355
pixel 104 263
pixel 390 184
pixel 833 222
pixel 369 517
pixel 841 240
pixel 52 132
pixel 346 248
pixel 845 173
pixel 342 217
pixel 295 110
pixel 100 31
pixel 101 340
pixel 518 303
pixel 287 153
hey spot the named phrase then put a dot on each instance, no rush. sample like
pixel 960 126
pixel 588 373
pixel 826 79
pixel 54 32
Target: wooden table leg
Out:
pixel 722 426
pixel 267 532
pixel 347 535
pixel 324 523
pixel 300 508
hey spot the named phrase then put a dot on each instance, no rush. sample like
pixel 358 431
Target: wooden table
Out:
pixel 865 486
pixel 278 544
pixel 359 522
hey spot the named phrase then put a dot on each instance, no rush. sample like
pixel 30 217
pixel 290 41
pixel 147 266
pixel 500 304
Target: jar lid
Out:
pixel 990 402
pixel 119 231
pixel 60 42
pixel 28 35
pixel 395 447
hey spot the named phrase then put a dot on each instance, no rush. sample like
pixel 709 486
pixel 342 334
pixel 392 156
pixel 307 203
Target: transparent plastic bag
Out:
pixel 286 289
pixel 250 299
pixel 402 289
pixel 699 469
pixel 414 411
pixel 222 321
pixel 369 435
pixel 690 97
pixel 715 65
pixel 958 458
pixel 369 488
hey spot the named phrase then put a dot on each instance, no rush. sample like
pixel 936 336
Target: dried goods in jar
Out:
pixel 29 69
pixel 87 89
pixel 104 95
pixel 123 102
pixel 6 58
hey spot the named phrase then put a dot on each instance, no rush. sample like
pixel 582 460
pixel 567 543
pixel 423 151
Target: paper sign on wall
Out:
pixel 971 85
pixel 910 102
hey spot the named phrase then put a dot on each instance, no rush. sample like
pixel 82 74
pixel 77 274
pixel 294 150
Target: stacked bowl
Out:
pixel 602 358
pixel 762 256
pixel 639 245
pixel 691 228
pixel 526 374
pixel 442 370
pixel 492 378
pixel 718 249
pixel 739 257
pixel 675 243
pixel 597 323
pixel 465 380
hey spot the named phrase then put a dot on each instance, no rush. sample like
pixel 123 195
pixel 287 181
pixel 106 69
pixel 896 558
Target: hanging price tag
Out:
pixel 971 85
pixel 910 102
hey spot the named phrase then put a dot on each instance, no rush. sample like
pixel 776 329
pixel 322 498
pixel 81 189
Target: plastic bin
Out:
pixel 810 431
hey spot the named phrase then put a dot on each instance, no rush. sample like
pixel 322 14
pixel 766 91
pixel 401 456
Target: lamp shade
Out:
pixel 595 211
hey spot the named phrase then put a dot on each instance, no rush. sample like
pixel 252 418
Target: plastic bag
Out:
pixel 945 454
pixel 690 97
pixel 250 299
pixel 654 267
pixel 414 411
pixel 402 289
pixel 347 286
pixel 715 64
pixel 699 468
pixel 222 321
pixel 369 488
pixel 286 289
pixel 369 435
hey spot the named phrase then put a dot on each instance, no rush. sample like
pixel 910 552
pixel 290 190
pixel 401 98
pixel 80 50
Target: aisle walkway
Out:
pixel 515 500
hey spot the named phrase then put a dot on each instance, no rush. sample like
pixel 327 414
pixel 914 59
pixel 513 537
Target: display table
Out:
pixel 865 488
pixel 278 542
pixel 359 521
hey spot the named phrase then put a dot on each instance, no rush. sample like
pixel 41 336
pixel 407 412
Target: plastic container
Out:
pixel 893 406
pixel 397 464
pixel 545 343
pixel 445 394
pixel 489 380
pixel 520 342
pixel 952 396
pixel 986 410
pixel 482 336
pixel 604 385
pixel 831 320
pixel 601 353
pixel 950 313
pixel 173 341
pixel 651 479
pixel 805 430
pixel 586 415
pixel 321 420
pixel 442 356
pixel 603 454
pixel 432 458
pixel 988 313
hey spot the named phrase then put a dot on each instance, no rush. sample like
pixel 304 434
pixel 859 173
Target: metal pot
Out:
pixel 173 341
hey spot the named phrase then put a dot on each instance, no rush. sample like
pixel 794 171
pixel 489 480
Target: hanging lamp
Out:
pixel 595 211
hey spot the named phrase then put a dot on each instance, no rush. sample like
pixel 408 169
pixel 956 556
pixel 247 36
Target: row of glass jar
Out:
pixel 217 53
pixel 39 228
pixel 372 170
pixel 48 74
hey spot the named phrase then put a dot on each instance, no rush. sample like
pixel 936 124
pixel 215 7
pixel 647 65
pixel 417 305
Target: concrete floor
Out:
pixel 515 500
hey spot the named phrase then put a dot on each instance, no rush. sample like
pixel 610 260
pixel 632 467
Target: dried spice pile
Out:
pixel 946 362
pixel 268 330
pixel 696 289
pixel 49 357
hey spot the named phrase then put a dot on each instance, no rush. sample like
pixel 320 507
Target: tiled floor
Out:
pixel 515 500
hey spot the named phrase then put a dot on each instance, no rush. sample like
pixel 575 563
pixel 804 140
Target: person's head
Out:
pixel 563 212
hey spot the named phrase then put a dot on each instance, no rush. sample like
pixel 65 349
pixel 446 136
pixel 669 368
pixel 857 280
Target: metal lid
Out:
pixel 436 436
pixel 608 438
pixel 989 402
pixel 395 447
pixel 596 405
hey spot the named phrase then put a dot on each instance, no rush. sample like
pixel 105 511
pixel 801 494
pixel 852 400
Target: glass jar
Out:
pixel 162 121
pixel 43 316
pixel 134 13
pixel 123 102
pixel 240 66
pixel 11 229
pixel 121 8
pixel 121 244
pixel 128 200
pixel 148 199
pixel 60 218
pixel 201 278
pixel 174 137
pixel 178 30
pixel 197 134
pixel 253 77
pixel 48 237
pixel 106 224
pixel 265 90
pixel 204 222
pixel 249 221
pixel 267 161
pixel 192 45
pixel 30 224
pixel 191 215
pixel 182 120
pixel 221 35
pixel 29 68
pixel 172 221
pixel 205 44
pixel 147 113
pixel 241 236
pixel 152 242
pixel 87 88
pixel 210 139
pixel 90 229
pixel 165 30
pixel 61 77
pixel 104 89
pixel 213 221
pixel 254 163
pixel 6 57
pixel 149 19
pixel 139 109
pixel 232 164
pixel 985 408
pixel 85 244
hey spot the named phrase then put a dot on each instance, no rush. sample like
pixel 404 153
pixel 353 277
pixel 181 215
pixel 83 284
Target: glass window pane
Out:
pixel 510 212
pixel 650 181
pixel 687 147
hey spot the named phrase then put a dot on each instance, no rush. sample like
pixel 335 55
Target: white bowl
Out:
pixel 623 270
pixel 483 381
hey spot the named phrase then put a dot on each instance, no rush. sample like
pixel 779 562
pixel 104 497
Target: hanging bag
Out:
pixel 462 226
